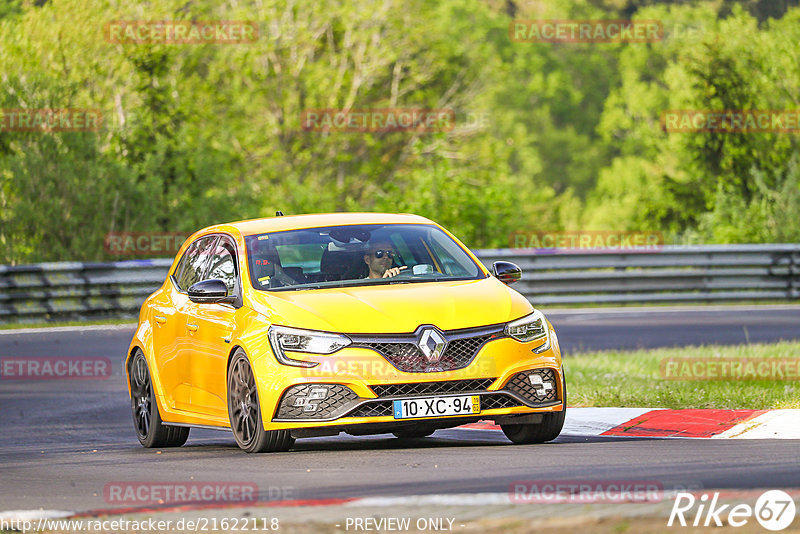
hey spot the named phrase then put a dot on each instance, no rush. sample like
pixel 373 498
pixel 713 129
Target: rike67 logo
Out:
pixel 774 510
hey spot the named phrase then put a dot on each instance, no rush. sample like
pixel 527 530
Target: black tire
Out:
pixel 413 433
pixel 244 411
pixel 150 430
pixel 547 430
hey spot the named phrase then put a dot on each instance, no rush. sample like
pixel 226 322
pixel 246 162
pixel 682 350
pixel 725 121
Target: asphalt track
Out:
pixel 61 442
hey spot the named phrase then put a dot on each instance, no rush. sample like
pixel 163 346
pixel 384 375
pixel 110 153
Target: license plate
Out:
pixel 436 406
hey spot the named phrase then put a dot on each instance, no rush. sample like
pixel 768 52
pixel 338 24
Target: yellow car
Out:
pixel 311 325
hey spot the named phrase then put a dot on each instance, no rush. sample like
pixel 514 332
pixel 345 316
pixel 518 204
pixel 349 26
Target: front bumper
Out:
pixel 357 386
pixel 340 401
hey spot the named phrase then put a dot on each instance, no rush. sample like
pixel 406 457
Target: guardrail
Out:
pixel 711 273
pixel 75 290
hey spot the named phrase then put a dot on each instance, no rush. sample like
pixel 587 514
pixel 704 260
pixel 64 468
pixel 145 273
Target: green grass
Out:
pixel 53 324
pixel 633 379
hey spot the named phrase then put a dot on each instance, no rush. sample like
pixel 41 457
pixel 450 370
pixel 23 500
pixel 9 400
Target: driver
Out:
pixel 379 259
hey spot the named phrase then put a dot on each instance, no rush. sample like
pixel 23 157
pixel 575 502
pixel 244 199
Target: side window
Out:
pixel 223 265
pixel 193 263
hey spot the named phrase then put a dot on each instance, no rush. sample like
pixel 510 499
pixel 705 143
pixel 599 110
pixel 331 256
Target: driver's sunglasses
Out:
pixel 379 253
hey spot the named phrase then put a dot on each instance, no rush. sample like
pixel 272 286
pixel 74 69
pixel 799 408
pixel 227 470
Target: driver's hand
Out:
pixel 394 271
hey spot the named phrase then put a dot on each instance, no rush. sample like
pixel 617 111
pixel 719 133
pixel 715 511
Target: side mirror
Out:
pixel 506 272
pixel 209 292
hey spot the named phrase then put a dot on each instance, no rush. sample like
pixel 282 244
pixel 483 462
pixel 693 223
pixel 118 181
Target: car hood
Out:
pixel 395 308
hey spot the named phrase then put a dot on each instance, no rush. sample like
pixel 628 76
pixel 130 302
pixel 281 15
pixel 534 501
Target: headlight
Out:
pixel 283 339
pixel 530 328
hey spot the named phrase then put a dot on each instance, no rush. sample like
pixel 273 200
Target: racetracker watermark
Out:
pixel 731 121
pixel 473 120
pixel 147 493
pixel 181 32
pixel 543 242
pixel 50 120
pixel 730 368
pixel 55 368
pixel 377 368
pixel 378 120
pixel 586 31
pixel 144 243
pixel 687 32
pixel 585 491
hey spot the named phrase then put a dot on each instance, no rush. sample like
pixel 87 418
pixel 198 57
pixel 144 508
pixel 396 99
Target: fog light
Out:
pixel 315 401
pixel 315 394
pixel 318 393
pixel 540 386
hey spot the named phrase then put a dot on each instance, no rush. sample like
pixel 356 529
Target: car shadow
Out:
pixel 449 438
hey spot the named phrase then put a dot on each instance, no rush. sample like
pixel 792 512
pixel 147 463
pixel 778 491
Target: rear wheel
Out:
pixel 146 420
pixel 547 430
pixel 244 411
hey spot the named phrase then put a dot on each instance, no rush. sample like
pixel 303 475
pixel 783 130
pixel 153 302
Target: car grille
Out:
pixel 373 409
pixel 493 402
pixel 521 384
pixel 432 388
pixel 403 351
pixel 298 402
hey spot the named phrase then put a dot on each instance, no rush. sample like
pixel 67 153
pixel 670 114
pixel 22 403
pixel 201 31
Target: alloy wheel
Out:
pixel 244 402
pixel 141 396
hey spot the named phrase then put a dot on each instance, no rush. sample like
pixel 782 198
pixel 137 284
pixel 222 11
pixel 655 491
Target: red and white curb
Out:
pixel 665 423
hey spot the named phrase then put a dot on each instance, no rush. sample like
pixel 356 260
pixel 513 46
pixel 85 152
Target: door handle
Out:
pixel 191 327
pixel 161 319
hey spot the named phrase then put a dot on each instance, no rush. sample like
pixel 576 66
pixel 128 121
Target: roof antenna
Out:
pixel 278 214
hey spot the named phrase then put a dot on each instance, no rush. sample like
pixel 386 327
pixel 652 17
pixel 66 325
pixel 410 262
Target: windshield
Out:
pixel 340 256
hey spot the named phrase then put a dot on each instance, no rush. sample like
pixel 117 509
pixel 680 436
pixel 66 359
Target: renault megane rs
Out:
pixel 312 325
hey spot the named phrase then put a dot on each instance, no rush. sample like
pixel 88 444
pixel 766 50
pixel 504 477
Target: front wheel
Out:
pixel 244 411
pixel 150 430
pixel 547 430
